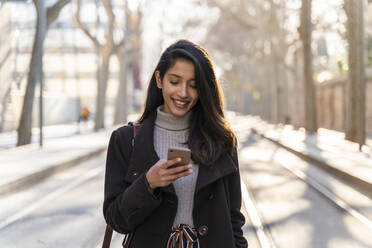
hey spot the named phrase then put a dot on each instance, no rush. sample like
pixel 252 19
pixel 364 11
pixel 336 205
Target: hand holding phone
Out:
pixel 161 174
pixel 183 153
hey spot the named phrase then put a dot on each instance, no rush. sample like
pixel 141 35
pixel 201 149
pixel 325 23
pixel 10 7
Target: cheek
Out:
pixel 166 94
pixel 195 95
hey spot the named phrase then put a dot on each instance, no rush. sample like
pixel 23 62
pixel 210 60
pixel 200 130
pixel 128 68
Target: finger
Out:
pixel 178 175
pixel 171 162
pixel 161 162
pixel 178 169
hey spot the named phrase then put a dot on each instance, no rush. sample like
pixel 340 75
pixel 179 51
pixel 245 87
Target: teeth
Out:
pixel 179 102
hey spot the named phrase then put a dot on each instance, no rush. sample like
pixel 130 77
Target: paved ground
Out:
pixel 66 146
pixel 328 149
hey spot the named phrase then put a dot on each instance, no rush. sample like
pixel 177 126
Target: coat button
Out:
pixel 203 230
pixel 135 173
pixel 211 196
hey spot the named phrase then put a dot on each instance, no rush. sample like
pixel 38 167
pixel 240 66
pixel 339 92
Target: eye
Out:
pixel 174 83
pixel 193 86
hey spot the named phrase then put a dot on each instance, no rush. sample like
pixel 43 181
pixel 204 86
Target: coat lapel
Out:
pixel 222 167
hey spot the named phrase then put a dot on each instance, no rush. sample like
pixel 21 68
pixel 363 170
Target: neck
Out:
pixel 171 122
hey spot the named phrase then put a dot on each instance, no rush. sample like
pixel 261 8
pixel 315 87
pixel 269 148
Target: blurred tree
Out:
pixel 255 51
pixel 25 125
pixel 129 60
pixel 121 101
pixel 355 129
pixel 310 97
pixel 279 50
pixel 369 51
pixel 106 49
pixel 232 52
pixel 240 15
pixel 121 104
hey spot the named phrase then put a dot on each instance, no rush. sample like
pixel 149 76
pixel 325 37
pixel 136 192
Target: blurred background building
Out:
pixel 70 65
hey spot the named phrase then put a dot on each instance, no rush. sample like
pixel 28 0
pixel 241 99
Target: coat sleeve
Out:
pixel 125 205
pixel 237 218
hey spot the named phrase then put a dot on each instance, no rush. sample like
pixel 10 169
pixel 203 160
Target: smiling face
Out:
pixel 178 88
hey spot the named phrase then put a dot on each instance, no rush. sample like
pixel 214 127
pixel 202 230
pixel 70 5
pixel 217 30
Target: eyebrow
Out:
pixel 177 76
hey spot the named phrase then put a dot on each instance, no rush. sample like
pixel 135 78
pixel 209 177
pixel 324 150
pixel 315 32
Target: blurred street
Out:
pixel 9 139
pixel 287 201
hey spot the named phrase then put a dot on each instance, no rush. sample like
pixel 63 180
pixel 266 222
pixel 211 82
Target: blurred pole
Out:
pixel 42 28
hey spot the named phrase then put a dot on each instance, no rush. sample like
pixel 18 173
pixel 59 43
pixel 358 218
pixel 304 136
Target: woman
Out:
pixel 198 203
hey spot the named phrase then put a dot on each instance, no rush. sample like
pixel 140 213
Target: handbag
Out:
pixel 128 239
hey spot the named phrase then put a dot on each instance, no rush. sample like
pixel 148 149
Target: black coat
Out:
pixel 128 205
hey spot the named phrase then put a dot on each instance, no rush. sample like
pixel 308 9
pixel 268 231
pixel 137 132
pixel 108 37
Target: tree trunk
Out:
pixel 105 51
pixel 278 91
pixel 101 90
pixel 4 109
pixel 25 124
pixel 310 97
pixel 355 86
pixel 278 49
pixel 121 105
pixel 267 89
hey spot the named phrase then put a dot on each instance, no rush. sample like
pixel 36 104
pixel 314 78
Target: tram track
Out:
pixel 49 197
pixel 333 198
pixel 262 229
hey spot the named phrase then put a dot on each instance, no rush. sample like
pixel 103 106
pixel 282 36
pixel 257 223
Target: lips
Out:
pixel 180 104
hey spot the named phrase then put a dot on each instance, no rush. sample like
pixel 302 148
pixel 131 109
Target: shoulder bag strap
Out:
pixel 107 238
pixel 108 232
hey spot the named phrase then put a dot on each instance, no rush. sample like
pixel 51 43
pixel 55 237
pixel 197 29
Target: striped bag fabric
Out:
pixel 183 236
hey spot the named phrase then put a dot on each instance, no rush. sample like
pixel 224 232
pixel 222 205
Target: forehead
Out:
pixel 183 68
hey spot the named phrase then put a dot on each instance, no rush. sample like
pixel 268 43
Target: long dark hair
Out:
pixel 210 135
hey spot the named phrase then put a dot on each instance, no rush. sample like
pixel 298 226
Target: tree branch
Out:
pixel 247 23
pixel 124 41
pixel 111 19
pixel 80 24
pixel 116 47
pixel 53 11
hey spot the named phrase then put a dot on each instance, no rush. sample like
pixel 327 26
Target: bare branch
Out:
pixel 80 24
pixel 289 67
pixel 125 39
pixel 247 23
pixel 116 47
pixel 108 8
pixel 111 17
pixel 53 11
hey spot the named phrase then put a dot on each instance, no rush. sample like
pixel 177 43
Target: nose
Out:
pixel 182 92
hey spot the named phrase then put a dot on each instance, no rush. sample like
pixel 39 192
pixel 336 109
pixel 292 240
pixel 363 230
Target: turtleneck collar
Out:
pixel 171 122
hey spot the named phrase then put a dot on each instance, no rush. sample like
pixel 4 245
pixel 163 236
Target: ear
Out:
pixel 158 81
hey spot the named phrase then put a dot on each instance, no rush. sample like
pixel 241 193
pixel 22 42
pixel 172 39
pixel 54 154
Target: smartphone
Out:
pixel 183 153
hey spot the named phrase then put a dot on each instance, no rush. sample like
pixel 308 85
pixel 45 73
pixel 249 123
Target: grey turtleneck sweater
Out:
pixel 172 131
